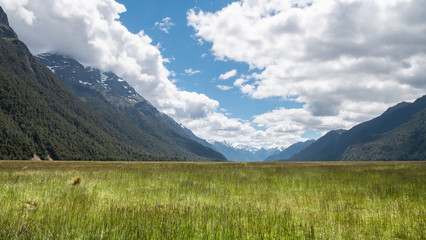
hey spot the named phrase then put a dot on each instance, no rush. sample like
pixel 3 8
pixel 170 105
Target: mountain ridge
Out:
pixel 3 17
pixel 40 116
pixel 113 98
pixel 234 154
pixel 332 145
pixel 242 153
pixel 290 151
pixel 405 142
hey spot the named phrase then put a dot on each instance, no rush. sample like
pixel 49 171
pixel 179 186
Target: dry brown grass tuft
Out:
pixel 75 181
pixel 32 205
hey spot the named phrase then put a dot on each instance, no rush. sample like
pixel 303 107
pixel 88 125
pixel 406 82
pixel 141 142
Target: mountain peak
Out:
pixel 3 17
pixel 290 151
pixel 75 75
pixel 396 107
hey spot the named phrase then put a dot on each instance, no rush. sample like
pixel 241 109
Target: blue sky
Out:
pixel 302 67
pixel 186 52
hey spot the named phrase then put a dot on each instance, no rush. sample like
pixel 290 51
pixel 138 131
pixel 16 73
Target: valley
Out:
pixel 251 120
pixel 154 200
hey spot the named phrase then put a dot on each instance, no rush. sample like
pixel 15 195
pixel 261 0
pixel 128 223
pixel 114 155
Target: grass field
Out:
pixel 110 200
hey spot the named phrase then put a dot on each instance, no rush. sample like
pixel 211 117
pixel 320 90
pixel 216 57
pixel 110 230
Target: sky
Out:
pixel 263 73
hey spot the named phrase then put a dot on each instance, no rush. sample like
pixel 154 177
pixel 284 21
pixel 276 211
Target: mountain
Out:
pixel 407 142
pixel 235 154
pixel 290 151
pixel 332 146
pixel 321 149
pixel 116 101
pixel 3 19
pixel 40 116
pixel 242 153
pixel 396 107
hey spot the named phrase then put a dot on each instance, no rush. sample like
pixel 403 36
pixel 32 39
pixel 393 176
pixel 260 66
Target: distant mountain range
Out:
pixel 289 152
pixel 397 134
pixel 242 153
pixel 234 153
pixel 101 118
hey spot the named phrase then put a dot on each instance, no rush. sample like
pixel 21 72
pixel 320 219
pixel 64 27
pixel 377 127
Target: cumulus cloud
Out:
pixel 338 57
pixel 16 6
pixel 298 50
pixel 228 75
pixel 90 32
pixel 243 133
pixel 165 24
pixel 191 71
pixel 224 87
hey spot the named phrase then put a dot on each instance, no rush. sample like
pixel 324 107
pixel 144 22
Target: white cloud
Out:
pixel 339 57
pixel 191 71
pixel 305 54
pixel 228 75
pixel 165 24
pixel 299 120
pixel 90 32
pixel 240 132
pixel 224 87
pixel 16 6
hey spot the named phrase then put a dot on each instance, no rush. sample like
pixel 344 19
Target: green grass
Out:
pixel 212 200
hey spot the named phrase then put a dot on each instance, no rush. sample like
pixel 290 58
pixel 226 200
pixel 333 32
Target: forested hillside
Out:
pixel 394 135
pixel 39 115
pixel 404 143
pixel 140 123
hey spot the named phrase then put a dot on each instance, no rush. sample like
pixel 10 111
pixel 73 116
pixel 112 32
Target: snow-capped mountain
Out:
pixel 115 99
pixel 81 80
pixel 241 153
pixel 290 151
pixel 73 73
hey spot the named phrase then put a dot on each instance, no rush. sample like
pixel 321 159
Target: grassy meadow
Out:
pixel 127 200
